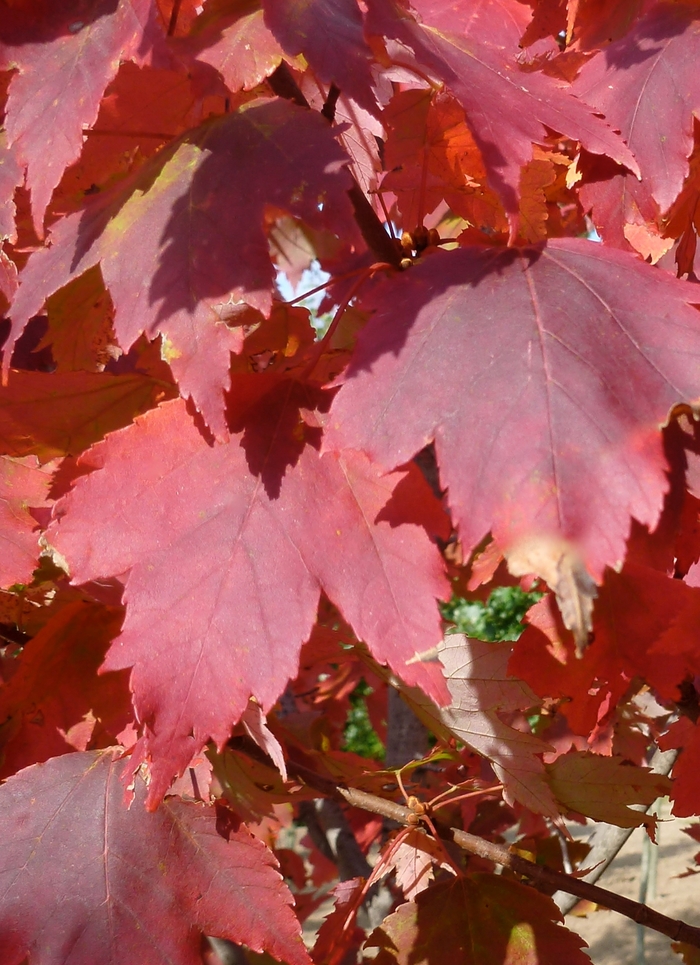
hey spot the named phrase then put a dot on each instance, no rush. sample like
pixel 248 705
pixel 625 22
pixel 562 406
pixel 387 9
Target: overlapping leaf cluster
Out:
pixel 215 525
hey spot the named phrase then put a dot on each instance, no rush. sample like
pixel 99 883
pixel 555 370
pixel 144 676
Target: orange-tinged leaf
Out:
pixel 58 414
pixel 602 788
pixel 507 109
pixel 55 687
pixel 431 155
pixel 24 486
pixel 80 325
pixel 536 177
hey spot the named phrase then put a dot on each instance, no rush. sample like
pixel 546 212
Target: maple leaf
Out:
pixel 430 155
pixel 482 691
pixel 178 225
pixel 480 919
pixel 210 620
pixel 507 109
pixel 62 72
pixel 641 628
pixel 602 788
pixel 237 43
pixel 54 702
pixel 652 65
pixel 414 861
pixel 337 53
pixel 57 414
pixel 539 379
pixel 77 858
pixel 24 486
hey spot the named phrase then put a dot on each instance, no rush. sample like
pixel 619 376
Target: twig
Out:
pixel 546 879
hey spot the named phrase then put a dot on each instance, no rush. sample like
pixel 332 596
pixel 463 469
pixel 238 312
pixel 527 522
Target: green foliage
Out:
pixel 500 618
pixel 359 736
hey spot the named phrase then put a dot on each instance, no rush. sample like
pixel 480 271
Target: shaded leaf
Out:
pixel 337 53
pixel 478 920
pixel 55 702
pixel 77 857
pixel 58 414
pixel 198 238
pixel 80 318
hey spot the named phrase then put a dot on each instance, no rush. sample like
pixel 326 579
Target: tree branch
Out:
pixel 545 878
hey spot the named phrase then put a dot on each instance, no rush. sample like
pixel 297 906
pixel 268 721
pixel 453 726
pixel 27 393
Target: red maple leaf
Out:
pixel 539 379
pixel 206 534
pixel 63 69
pixel 508 110
pixel 179 226
pixel 654 64
pixel 76 871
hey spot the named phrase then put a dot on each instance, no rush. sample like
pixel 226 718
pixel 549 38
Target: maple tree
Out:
pixel 232 521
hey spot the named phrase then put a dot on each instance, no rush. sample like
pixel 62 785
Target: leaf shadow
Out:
pixel 45 22
pixel 276 418
pixel 398 302
pixel 661 25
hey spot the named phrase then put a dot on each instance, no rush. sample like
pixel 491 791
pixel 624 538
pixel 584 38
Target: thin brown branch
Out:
pixel 173 17
pixel 542 877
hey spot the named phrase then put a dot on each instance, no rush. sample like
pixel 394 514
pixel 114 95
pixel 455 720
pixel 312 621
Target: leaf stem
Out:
pixel 331 281
pixel 321 346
